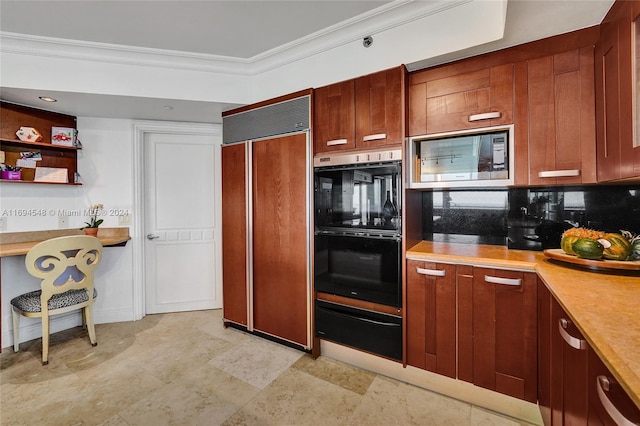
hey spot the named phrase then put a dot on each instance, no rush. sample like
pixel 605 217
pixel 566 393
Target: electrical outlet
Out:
pixel 63 221
pixel 124 219
pixel 3 223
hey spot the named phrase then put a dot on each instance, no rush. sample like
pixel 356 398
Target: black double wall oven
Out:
pixel 358 248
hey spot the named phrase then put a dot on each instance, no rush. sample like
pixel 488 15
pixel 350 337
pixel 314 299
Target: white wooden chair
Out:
pixel 65 265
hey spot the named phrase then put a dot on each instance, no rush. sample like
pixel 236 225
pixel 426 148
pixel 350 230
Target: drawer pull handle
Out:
pixel 377 137
pixel 503 281
pixel 432 272
pixel 602 383
pixel 559 173
pixel 574 342
pixel 485 116
pixel 337 142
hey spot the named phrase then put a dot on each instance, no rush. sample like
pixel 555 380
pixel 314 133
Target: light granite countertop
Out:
pixel 604 306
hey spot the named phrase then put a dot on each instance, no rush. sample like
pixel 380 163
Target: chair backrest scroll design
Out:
pixel 63 264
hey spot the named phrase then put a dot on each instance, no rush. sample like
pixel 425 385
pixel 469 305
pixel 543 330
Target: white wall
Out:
pixel 106 166
pixel 79 68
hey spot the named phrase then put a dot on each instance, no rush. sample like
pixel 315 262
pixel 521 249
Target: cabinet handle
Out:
pixel 337 142
pixel 503 281
pixel 485 116
pixel 559 173
pixel 432 272
pixel 602 384
pixel 377 137
pixel 574 342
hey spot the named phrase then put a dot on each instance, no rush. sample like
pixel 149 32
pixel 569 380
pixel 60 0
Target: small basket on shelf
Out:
pixel 10 172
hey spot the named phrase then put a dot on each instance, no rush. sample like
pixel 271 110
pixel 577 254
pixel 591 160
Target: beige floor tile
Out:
pixel 482 417
pixel 390 402
pixel 258 362
pixel 172 358
pixel 114 421
pixel 100 394
pixel 297 398
pixel 187 369
pixel 230 334
pixel 348 377
pixel 205 396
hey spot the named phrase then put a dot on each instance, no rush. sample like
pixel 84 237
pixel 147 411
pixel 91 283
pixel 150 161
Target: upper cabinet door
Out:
pixel 334 117
pixel 470 100
pixel 367 112
pixel 561 109
pixel 618 146
pixel 380 108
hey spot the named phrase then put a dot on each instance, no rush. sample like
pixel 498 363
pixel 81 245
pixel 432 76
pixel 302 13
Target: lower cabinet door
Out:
pixel 505 332
pixel 370 331
pixel 568 370
pixel 608 403
pixel 431 316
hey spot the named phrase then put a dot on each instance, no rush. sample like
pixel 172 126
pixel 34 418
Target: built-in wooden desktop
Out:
pixel 19 243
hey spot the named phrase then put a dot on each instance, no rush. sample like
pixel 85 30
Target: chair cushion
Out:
pixel 30 302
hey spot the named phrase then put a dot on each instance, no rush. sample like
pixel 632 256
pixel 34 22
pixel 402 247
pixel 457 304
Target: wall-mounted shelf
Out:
pixel 12 117
pixel 37 144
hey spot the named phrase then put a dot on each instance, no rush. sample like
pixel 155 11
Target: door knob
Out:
pixel 152 237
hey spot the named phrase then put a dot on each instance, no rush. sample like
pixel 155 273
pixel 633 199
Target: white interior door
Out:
pixel 180 218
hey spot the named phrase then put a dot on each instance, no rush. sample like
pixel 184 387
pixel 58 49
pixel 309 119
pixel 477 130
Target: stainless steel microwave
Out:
pixel 472 158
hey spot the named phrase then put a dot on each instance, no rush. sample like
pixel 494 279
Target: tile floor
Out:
pixel 187 369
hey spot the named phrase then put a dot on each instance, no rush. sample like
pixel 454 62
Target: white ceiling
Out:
pixel 239 30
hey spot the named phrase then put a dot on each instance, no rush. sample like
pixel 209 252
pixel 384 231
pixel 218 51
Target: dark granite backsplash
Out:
pixel 527 218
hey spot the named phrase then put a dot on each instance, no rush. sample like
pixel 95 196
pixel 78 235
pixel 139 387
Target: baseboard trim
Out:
pixel 494 401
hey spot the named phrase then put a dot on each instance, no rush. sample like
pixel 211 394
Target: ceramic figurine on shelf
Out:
pixel 28 134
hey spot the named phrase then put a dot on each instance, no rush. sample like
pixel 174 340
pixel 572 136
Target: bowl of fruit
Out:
pixel 595 248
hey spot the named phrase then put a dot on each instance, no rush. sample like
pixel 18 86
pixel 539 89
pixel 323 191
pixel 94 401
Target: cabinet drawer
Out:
pixel 370 331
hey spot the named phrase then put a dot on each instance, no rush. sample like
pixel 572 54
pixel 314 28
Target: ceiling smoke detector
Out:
pixel 367 41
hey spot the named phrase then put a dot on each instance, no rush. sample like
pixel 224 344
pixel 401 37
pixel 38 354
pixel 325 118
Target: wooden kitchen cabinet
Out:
pixel 366 112
pixel 501 329
pixel 468 100
pixel 618 141
pixel 380 108
pixel 568 369
pixel 561 111
pixel 234 234
pixel 431 317
pixel 265 222
pixel 475 324
pixel 276 250
pixel 334 112
pixel 281 294
pixel 609 404
pixel 570 372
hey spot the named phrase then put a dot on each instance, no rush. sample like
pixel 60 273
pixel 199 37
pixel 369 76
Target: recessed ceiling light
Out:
pixel 168 107
pixel 48 99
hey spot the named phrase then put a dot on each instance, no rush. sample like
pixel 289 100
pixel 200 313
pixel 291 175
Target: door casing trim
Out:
pixel 140 130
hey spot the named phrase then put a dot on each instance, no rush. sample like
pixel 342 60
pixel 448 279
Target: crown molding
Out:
pixel 391 15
